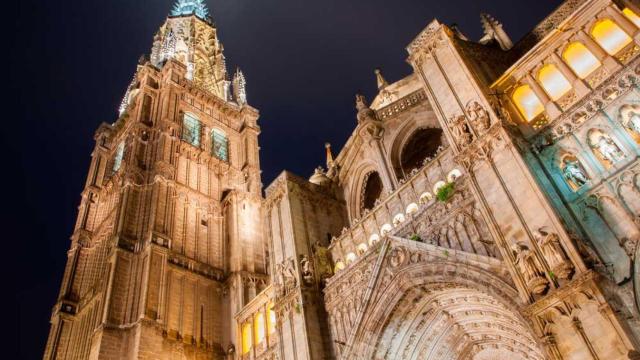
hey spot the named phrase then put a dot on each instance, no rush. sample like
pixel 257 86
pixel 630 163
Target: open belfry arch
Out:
pixel 485 207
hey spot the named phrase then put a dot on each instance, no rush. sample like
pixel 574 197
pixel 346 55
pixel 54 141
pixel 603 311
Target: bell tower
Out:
pixel 168 244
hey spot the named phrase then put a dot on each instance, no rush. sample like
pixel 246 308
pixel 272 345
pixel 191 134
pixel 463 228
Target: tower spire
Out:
pixel 493 31
pixel 382 82
pixel 327 147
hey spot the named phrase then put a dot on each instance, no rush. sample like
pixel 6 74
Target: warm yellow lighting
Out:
pixel 609 35
pixel 271 319
pixel 258 328
pixel 339 266
pixel 553 82
pixel 412 208
pixel 246 338
pixel 632 16
pixel 374 238
pixel 580 59
pixel 527 102
pixel 351 257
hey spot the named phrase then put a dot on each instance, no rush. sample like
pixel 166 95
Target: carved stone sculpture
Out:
pixel 573 173
pixel 530 268
pixel 306 268
pixel 478 116
pixel 322 263
pixel 460 130
pixel 608 149
pixel 554 253
pixel 286 277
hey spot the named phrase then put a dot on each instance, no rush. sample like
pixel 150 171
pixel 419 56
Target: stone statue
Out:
pixel 306 268
pixel 364 112
pixel 608 149
pixel 554 253
pixel 572 171
pixel 323 265
pixel 529 267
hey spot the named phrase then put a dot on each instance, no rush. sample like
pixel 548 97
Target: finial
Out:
pixel 382 83
pixel 239 87
pixel 327 147
pixel 493 31
pixel 191 7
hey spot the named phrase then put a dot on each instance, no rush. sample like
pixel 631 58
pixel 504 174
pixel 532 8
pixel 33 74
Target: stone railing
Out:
pixel 392 214
pixel 259 315
pixel 401 105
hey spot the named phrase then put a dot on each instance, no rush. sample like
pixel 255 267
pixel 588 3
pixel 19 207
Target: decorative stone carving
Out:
pixel 285 277
pixel 478 116
pixel 322 263
pixel 460 130
pixel 530 268
pixel 554 253
pixel 306 268
pixel 605 146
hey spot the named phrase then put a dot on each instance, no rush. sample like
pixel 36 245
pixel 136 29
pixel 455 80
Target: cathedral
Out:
pixel 485 207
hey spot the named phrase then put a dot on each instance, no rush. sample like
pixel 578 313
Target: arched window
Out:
pixel 604 147
pixel 191 129
pixel 609 36
pixel 412 208
pixel 361 249
pixel 438 185
pixel 258 327
pixel 632 16
pixel 527 102
pixel 580 59
pixel 117 160
pixel 553 82
pixel 372 190
pixel 398 219
pixel 454 175
pixel 374 238
pixel 219 145
pixel 385 229
pixel 271 319
pixel 246 338
pixel 339 266
pixel 422 144
pixel 351 257
pixel 425 197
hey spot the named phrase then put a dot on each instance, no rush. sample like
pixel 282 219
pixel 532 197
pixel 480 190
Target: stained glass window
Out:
pixel 219 145
pixel 191 129
pixel 117 160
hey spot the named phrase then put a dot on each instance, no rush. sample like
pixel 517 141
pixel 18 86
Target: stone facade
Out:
pixel 485 207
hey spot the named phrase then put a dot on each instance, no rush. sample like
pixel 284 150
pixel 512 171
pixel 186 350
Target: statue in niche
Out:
pixel 605 146
pixel 529 267
pixel 634 123
pixel 554 253
pixel 573 173
pixel 306 268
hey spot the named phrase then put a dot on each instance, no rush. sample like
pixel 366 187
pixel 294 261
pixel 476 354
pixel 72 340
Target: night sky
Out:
pixel 70 62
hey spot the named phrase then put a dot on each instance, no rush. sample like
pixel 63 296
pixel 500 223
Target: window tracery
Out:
pixel 191 129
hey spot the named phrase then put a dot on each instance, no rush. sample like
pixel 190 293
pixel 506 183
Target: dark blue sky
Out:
pixel 70 61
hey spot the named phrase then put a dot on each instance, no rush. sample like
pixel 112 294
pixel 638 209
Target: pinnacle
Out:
pixel 191 7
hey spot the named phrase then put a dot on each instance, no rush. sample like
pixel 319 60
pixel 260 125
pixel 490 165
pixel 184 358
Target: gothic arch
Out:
pixel 358 187
pixel 411 145
pixel 428 311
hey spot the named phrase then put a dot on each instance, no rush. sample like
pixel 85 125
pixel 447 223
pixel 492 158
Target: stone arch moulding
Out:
pixel 401 138
pixel 357 186
pixel 448 306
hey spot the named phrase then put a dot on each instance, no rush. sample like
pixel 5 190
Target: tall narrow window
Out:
pixel 609 35
pixel 632 16
pixel 117 160
pixel 580 59
pixel 219 145
pixel 258 328
pixel 553 82
pixel 271 319
pixel 527 102
pixel 246 338
pixel 191 129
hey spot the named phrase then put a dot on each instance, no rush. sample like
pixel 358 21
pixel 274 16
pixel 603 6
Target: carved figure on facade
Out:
pixel 322 263
pixel 529 267
pixel 603 145
pixel 364 112
pixel 478 116
pixel 306 269
pixel 554 253
pixel 460 130
pixel 285 277
pixel 573 172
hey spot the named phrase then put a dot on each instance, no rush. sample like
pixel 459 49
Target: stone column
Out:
pixel 550 107
pixel 580 87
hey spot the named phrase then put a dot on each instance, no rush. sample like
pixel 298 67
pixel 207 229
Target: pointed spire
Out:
pixel 191 7
pixel 239 87
pixel 327 147
pixel 382 83
pixel 493 31
pixel 458 32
